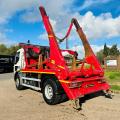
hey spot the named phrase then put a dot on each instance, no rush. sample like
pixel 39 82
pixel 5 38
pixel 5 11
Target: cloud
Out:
pixel 103 26
pixel 61 12
pixel 30 16
pixel 54 8
pixel 5 40
pixel 9 7
pixel 2 37
pixel 95 48
pixel 95 27
pixel 43 36
pixel 2 20
pixel 57 7
pixel 30 9
pixel 80 49
pixel 89 3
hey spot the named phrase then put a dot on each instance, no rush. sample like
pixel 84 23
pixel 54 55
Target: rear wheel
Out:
pixel 50 92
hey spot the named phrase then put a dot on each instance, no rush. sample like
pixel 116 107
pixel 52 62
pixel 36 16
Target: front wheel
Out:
pixel 17 83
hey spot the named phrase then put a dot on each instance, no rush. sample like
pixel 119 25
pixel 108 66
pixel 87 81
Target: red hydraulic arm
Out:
pixel 55 52
pixel 89 54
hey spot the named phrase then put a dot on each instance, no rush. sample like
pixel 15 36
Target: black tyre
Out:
pixel 50 92
pixel 17 83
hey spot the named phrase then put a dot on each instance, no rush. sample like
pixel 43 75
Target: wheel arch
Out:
pixel 44 77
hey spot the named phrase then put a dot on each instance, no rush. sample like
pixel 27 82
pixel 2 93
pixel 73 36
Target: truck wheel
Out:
pixel 50 92
pixel 17 83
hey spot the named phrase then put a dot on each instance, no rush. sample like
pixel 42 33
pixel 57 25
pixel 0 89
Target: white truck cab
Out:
pixel 19 60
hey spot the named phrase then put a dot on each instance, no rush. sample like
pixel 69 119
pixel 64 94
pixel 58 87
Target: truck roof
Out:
pixel 27 44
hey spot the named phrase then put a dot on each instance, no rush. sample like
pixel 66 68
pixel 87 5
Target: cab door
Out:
pixel 19 62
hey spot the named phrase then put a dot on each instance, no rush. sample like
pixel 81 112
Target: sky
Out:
pixel 20 21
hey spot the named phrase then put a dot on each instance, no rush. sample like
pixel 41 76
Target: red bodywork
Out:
pixel 76 82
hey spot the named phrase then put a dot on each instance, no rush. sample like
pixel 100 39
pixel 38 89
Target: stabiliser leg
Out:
pixel 108 94
pixel 76 104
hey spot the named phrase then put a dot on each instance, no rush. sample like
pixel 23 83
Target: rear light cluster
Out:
pixel 78 84
pixel 75 84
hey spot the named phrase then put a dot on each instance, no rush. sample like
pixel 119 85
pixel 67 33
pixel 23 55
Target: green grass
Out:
pixel 115 87
pixel 113 78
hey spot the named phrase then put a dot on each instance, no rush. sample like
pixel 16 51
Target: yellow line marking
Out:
pixel 50 36
pixel 37 72
pixel 53 61
pixel 64 81
pixel 61 67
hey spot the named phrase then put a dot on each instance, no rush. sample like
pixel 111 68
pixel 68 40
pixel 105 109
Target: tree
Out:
pixel 13 49
pixel 4 50
pixel 106 50
pixel 114 51
pixel 100 56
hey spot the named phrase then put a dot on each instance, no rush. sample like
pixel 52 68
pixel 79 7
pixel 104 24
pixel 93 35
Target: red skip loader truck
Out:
pixel 57 73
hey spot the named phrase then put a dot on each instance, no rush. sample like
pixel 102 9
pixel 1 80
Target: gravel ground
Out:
pixel 6 76
pixel 29 105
